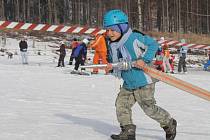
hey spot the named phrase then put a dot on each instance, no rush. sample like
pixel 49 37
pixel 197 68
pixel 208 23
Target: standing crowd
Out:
pixel 164 60
pixel 79 52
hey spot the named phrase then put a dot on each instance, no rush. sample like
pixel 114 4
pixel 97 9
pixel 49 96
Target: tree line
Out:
pixel 185 16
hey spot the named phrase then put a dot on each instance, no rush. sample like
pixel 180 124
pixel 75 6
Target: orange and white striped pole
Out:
pixel 80 30
pixel 49 28
pixel 188 45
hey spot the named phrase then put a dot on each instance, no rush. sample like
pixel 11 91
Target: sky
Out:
pixel 39 101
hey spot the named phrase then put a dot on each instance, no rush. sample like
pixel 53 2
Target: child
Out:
pixel 159 59
pixel 171 61
pixel 137 87
pixel 80 55
pixel 62 51
pixel 74 44
pixel 99 44
pixel 182 53
pixel 207 64
pixel 166 57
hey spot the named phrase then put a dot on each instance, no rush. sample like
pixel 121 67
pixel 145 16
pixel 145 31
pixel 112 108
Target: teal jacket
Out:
pixel 143 47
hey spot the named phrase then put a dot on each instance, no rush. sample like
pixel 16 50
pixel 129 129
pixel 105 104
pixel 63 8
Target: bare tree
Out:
pixel 207 17
pixel 24 10
pixel 17 10
pixel 140 14
pixel 162 15
pixel 2 14
pixel 39 11
pixel 28 11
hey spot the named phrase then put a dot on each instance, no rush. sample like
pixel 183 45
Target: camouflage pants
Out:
pixel 145 98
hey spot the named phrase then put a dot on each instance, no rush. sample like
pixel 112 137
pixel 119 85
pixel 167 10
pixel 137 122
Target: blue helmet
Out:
pixel 114 17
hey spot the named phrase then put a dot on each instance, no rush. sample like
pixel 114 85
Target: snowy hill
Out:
pixel 41 102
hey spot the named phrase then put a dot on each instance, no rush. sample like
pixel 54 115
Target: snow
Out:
pixel 41 102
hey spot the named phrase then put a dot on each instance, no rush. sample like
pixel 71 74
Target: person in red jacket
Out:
pixel 171 61
pixel 99 44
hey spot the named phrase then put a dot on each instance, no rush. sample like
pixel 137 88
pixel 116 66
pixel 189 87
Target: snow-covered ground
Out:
pixel 41 102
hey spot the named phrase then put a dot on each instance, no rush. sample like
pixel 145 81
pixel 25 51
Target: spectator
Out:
pixel 207 64
pixel 171 61
pixel 166 56
pixel 23 45
pixel 159 59
pixel 182 54
pixel 74 44
pixel 99 44
pixel 80 55
pixel 62 51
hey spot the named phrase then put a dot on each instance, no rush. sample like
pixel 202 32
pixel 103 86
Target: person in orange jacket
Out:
pixel 166 56
pixel 99 44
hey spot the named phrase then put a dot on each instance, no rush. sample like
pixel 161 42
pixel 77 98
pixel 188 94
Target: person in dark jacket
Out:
pixel 23 50
pixel 62 51
pixel 80 54
pixel 74 44
pixel 182 53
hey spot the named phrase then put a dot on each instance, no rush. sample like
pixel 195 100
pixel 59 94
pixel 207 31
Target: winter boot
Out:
pixel 70 62
pixel 127 133
pixel 94 72
pixel 171 130
pixel 75 72
pixel 82 69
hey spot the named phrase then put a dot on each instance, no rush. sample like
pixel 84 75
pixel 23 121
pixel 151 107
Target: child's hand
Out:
pixel 108 68
pixel 139 64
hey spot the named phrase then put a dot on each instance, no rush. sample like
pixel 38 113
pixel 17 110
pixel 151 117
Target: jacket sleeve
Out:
pixel 151 47
pixel 96 42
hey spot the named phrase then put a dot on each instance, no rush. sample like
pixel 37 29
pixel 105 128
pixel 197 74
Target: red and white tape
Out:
pixel 189 46
pixel 50 28
pixel 79 30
